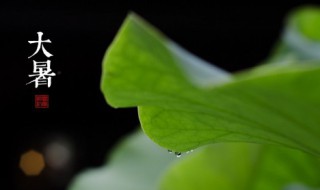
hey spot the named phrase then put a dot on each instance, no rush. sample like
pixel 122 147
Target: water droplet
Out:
pixel 178 154
pixel 170 151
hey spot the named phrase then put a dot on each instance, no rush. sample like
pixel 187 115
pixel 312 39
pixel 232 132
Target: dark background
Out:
pixel 233 37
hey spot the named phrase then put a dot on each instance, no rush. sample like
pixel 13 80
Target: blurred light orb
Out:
pixel 58 155
pixel 32 163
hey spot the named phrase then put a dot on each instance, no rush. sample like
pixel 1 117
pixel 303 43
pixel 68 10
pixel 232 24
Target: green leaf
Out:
pixel 138 164
pixel 135 164
pixel 273 105
pixel 301 37
pixel 307 21
pixel 242 166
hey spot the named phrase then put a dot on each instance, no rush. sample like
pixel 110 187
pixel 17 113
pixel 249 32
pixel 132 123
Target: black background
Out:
pixel 233 37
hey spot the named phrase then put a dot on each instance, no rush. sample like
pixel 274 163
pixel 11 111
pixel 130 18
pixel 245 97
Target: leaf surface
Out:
pixel 243 166
pixel 135 164
pixel 180 110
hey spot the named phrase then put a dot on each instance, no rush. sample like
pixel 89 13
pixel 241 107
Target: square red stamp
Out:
pixel 41 101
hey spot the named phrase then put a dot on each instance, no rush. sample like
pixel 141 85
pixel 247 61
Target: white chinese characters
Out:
pixel 42 72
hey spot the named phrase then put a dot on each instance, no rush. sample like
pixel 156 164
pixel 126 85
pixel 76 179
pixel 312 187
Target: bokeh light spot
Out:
pixel 58 155
pixel 32 163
